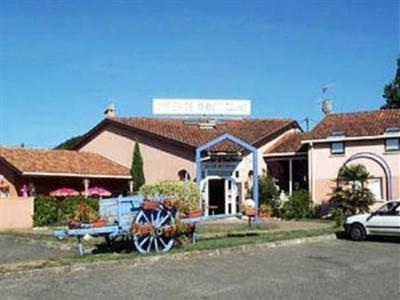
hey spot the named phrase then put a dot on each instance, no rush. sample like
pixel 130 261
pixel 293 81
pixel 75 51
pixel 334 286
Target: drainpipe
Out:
pixel 290 176
pixel 310 171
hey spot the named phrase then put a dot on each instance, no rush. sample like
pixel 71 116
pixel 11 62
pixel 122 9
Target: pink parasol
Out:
pixel 98 191
pixel 64 192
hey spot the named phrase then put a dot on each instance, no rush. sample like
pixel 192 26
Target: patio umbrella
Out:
pixel 97 191
pixel 64 192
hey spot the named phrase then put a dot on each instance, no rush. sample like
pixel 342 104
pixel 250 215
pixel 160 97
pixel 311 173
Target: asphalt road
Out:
pixel 325 270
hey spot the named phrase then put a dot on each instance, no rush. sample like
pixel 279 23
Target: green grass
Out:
pixel 254 238
pixel 232 240
pixel 227 228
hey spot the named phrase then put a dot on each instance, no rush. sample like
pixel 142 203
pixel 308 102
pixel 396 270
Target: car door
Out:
pixel 386 221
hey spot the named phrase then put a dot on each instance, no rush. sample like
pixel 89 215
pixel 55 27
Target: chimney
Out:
pixel 110 111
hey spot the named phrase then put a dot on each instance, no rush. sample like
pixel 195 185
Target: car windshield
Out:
pixel 390 207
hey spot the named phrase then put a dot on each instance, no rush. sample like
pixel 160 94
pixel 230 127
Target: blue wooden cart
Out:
pixel 123 213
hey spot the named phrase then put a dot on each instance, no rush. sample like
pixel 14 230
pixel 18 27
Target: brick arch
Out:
pixel 381 162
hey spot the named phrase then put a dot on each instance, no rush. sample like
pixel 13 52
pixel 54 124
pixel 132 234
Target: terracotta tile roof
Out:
pixel 366 123
pixel 289 144
pixel 60 161
pixel 190 133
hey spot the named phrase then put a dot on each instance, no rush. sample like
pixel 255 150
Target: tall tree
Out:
pixel 391 92
pixel 137 169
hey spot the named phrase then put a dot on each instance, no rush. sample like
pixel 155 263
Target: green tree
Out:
pixel 137 169
pixel 268 193
pixel 69 143
pixel 391 91
pixel 351 194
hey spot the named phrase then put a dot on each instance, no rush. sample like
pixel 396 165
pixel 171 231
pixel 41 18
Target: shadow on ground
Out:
pixel 341 235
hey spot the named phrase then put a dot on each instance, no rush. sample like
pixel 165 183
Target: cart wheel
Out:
pixel 160 219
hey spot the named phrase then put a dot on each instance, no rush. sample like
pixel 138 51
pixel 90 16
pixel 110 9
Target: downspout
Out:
pixel 311 172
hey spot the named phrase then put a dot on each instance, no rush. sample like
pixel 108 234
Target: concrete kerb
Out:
pixel 148 260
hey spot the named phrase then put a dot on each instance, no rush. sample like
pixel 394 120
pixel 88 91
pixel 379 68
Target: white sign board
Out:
pixel 201 107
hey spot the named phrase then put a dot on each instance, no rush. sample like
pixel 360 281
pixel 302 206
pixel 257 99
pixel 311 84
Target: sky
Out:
pixel 63 62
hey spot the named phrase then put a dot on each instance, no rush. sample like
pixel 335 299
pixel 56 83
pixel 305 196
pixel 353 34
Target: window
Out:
pixel 392 130
pixel 375 186
pixel 338 133
pixel 337 148
pixel 183 175
pixel 392 144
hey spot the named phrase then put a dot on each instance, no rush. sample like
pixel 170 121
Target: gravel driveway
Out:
pixel 325 270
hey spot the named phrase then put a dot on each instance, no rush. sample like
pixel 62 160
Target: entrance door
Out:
pixel 216 196
pixel 231 192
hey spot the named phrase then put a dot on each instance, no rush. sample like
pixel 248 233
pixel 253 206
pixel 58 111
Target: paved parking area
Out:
pixel 15 250
pixel 326 270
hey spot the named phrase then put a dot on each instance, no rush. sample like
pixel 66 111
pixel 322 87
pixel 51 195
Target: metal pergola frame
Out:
pixel 241 143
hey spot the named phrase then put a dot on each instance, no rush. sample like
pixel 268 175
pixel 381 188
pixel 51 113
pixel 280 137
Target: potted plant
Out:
pixel 150 204
pixel 265 211
pixel 143 229
pixel 83 214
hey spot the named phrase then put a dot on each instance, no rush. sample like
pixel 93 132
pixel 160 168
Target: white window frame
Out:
pixel 392 147
pixel 336 151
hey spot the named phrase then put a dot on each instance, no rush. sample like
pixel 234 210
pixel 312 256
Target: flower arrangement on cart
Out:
pixel 155 220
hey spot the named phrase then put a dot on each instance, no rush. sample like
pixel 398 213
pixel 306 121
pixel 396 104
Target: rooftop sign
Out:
pixel 225 107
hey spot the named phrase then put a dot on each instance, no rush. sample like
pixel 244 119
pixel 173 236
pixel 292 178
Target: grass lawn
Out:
pixel 210 236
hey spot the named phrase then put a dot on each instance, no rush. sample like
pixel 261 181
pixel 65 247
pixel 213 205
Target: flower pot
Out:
pixel 150 204
pixel 98 223
pixel 169 231
pixel 250 212
pixel 194 214
pixel 74 225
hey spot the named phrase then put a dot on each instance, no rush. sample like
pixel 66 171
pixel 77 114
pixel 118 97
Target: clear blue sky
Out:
pixel 63 62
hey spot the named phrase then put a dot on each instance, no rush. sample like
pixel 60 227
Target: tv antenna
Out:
pixel 326 103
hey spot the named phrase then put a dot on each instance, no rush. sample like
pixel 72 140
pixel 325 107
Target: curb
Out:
pixel 146 260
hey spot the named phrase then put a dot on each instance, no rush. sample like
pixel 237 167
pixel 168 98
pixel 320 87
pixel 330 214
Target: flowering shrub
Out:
pixel 184 197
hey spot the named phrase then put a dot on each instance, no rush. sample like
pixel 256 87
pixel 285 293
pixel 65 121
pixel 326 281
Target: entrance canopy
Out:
pixel 229 137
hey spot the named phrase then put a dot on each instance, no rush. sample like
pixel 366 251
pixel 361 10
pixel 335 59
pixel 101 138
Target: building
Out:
pixel 295 159
pixel 370 138
pixel 38 171
pixel 168 147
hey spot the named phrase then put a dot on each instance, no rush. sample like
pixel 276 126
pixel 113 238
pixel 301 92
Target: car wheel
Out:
pixel 357 232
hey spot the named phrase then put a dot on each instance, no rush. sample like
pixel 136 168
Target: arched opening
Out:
pixel 183 175
pixel 386 184
pixel 250 178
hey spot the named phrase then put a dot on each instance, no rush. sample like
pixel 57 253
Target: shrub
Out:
pixel 69 206
pixel 268 193
pixel 46 211
pixel 298 206
pixel 188 196
pixel 351 196
pixel 52 211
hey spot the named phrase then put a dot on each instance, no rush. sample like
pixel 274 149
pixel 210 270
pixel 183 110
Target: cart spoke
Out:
pixel 162 242
pixel 149 245
pixel 158 216
pixel 144 241
pixel 163 220
pixel 156 244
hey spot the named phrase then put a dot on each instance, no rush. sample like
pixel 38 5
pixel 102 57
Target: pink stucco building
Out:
pixel 369 138
pixel 295 159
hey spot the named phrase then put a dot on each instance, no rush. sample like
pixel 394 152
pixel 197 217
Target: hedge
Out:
pixel 55 211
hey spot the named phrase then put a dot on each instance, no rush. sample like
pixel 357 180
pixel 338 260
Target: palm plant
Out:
pixel 351 194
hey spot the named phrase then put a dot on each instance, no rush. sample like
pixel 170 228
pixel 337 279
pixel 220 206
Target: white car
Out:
pixel 383 221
